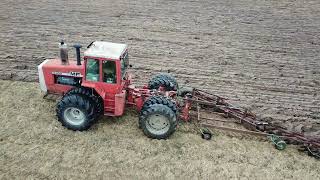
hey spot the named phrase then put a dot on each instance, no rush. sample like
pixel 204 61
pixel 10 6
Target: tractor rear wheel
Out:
pixel 91 94
pixel 76 112
pixel 158 100
pixel 158 121
pixel 168 76
pixel 164 79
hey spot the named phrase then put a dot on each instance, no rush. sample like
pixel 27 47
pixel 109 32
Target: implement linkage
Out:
pixel 279 136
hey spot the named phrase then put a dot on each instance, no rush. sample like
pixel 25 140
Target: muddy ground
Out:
pixel 34 145
pixel 263 55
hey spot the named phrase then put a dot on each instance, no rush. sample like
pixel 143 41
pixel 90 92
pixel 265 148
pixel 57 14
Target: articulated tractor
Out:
pixel 102 85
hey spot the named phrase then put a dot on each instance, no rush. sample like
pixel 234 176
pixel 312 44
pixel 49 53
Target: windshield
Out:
pixel 124 63
pixel 92 73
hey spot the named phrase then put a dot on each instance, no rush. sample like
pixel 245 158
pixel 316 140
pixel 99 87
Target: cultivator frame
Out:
pixel 196 100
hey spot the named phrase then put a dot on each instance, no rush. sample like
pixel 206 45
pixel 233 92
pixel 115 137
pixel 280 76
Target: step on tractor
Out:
pixel 101 84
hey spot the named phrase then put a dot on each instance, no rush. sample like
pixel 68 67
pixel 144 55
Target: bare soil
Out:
pixel 34 145
pixel 263 55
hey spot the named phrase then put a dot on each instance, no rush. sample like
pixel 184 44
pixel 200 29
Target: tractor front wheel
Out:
pixel 76 112
pixel 158 121
pixel 90 94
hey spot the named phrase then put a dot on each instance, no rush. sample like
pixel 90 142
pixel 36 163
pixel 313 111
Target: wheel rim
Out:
pixel 157 124
pixel 206 136
pixel 74 116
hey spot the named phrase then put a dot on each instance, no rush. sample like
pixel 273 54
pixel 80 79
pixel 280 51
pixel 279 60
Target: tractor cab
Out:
pixel 106 62
pixel 103 72
pixel 105 69
pixel 101 85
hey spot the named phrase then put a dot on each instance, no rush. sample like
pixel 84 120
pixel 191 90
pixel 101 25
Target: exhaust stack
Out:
pixel 63 53
pixel 77 47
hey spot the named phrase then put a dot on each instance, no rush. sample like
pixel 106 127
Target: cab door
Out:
pixel 103 76
pixel 111 84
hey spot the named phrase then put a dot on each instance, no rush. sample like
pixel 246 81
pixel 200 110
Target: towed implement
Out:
pixel 101 84
pixel 198 100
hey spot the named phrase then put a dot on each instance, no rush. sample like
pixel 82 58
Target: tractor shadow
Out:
pixel 129 118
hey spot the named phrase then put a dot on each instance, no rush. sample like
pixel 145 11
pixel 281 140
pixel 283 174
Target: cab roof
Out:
pixel 108 50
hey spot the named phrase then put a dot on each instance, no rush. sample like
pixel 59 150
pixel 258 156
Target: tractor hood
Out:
pixel 51 70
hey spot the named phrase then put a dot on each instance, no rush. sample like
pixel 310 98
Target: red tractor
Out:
pixel 102 85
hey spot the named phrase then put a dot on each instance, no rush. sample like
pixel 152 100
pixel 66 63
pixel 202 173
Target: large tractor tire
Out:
pixel 158 100
pixel 91 94
pixel 76 112
pixel 169 77
pixel 158 121
pixel 164 79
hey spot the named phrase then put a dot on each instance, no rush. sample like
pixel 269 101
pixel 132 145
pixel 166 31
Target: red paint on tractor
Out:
pixel 54 68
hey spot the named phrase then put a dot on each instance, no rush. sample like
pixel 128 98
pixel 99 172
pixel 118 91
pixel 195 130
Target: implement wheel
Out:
pixel 206 134
pixel 278 143
pixel 281 145
pixel 158 121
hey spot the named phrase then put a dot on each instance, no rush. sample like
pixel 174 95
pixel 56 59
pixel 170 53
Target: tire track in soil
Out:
pixel 263 55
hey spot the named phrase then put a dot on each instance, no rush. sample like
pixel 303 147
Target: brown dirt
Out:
pixel 260 54
pixel 34 145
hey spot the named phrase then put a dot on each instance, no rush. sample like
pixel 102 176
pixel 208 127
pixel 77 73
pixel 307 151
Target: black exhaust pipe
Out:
pixel 64 53
pixel 78 46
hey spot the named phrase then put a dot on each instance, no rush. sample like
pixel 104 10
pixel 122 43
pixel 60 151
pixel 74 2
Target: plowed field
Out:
pixel 263 55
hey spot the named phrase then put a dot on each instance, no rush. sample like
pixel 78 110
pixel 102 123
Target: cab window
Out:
pixel 92 70
pixel 109 72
